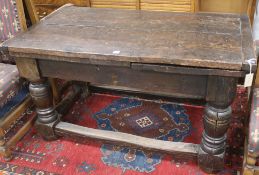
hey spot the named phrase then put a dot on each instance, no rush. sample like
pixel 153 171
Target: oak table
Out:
pixel 196 56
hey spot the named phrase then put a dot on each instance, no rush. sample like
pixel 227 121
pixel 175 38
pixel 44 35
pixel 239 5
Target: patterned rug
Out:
pixel 153 119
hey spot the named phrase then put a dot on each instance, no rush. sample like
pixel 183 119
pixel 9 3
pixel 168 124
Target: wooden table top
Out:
pixel 101 36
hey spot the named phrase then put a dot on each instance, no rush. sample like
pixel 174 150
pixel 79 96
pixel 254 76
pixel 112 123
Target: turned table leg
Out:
pixel 47 115
pixel 220 94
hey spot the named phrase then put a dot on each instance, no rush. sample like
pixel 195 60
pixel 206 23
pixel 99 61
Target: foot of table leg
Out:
pixel 47 115
pixel 212 147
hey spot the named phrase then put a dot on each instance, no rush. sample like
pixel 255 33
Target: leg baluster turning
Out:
pixel 47 115
pixel 212 148
pixel 217 115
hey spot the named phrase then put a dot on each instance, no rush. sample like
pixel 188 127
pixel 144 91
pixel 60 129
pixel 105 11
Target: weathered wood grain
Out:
pixel 185 70
pixel 151 82
pixel 81 133
pixel 199 56
pixel 28 68
pixel 197 40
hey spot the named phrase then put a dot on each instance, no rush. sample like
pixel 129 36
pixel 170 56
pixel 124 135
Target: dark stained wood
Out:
pixel 125 78
pixel 216 119
pixel 221 91
pixel 47 115
pixel 186 70
pixel 64 106
pixel 198 56
pixel 80 133
pixel 197 40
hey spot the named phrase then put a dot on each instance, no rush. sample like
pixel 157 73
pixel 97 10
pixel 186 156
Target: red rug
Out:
pixel 156 119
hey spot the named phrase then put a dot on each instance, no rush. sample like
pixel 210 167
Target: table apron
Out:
pixel 123 78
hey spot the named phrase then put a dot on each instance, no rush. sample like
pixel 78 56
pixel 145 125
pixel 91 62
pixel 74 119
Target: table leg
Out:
pixel 47 115
pixel 220 94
